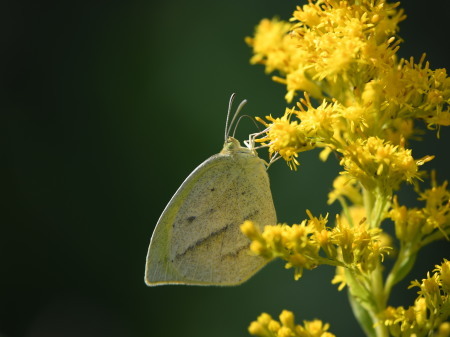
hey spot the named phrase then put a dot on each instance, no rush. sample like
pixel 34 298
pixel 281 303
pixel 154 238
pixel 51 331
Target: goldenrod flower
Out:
pixel 330 42
pixel 359 245
pixel 376 163
pixel 430 291
pixel 258 244
pixel 362 102
pixel 407 322
pixel 437 209
pixel 295 244
pixel 266 326
pixel 408 222
pixel 355 246
pixel 285 138
pixel 443 330
pixel 339 278
pixel 401 130
pixel 430 309
pixel 420 226
pixel 272 45
pixel 318 123
pixel 414 90
pixel 444 275
pixel 344 186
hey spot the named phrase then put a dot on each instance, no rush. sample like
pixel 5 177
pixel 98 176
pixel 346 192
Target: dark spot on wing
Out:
pixel 212 189
pixel 251 215
pixel 235 253
pixel 203 240
pixel 191 218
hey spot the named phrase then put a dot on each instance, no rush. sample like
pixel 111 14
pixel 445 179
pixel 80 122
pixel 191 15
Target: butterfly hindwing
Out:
pixel 197 239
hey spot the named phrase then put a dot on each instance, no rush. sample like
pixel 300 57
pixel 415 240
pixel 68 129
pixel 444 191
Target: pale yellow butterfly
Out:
pixel 197 239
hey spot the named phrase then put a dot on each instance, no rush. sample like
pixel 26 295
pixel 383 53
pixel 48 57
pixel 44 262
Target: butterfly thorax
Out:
pixel 233 146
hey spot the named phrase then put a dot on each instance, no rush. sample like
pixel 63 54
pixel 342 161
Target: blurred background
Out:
pixel 106 107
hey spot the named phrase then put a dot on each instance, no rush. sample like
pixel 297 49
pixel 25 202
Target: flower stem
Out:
pixel 380 300
pixel 375 203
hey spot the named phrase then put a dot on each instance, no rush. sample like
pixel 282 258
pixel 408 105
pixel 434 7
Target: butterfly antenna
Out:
pixel 239 120
pixel 227 126
pixel 238 110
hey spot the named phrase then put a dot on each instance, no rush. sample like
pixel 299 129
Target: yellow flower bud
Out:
pixel 257 329
pixel 287 319
pixel 444 330
pixel 444 275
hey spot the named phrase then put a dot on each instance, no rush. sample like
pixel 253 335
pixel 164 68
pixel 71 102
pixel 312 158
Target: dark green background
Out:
pixel 106 106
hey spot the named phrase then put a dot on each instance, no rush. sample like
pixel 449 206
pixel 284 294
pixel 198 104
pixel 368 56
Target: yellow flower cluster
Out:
pixel 413 90
pixel 344 186
pixel 266 326
pixel 312 243
pixel 342 53
pixel 362 103
pixel 430 311
pixel 329 41
pixel 437 209
pixel 376 163
pixel 295 244
pixel 361 247
pixel 416 227
pixel 302 130
pixel 286 139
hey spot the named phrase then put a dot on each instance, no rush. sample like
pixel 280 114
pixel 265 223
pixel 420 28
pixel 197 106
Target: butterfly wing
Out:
pixel 197 239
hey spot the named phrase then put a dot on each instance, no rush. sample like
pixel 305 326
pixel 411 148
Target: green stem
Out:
pixel 362 316
pixel 368 200
pixel 376 203
pixel 330 262
pixel 380 329
pixel 405 260
pixel 368 301
pixel 380 301
pixel 379 209
pixel 346 210
pixel 403 264
pixel 438 235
